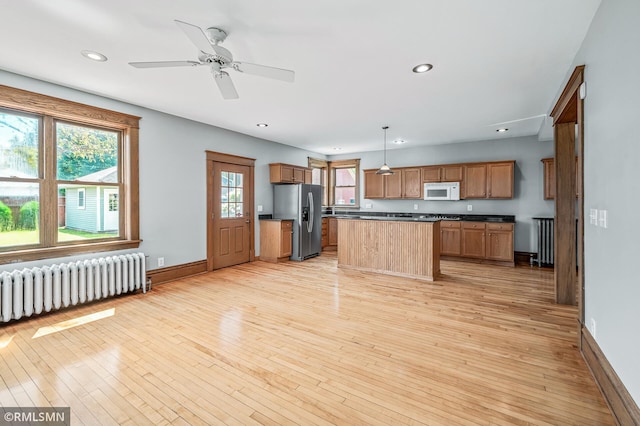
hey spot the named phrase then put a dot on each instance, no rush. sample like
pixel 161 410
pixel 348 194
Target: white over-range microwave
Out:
pixel 446 191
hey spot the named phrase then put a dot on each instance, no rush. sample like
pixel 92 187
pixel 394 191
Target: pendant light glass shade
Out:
pixel 385 170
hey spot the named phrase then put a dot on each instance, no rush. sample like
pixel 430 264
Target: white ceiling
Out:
pixel 495 61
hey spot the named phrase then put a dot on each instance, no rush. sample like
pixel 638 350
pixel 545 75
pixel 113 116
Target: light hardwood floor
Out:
pixel 307 343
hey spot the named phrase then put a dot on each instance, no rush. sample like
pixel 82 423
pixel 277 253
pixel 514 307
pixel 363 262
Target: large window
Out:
pixel 68 177
pixel 345 183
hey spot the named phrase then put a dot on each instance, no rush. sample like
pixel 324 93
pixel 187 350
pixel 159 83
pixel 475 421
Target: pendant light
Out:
pixel 385 170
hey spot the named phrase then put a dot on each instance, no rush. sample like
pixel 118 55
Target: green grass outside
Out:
pixel 19 238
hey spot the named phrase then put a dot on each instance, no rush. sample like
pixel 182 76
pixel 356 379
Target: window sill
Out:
pixel 17 256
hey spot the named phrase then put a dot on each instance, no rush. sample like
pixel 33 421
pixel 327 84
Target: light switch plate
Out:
pixel 259 208
pixel 603 218
pixel 593 217
pixel 368 206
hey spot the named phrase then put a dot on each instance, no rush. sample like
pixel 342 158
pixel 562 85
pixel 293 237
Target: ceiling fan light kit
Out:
pixel 217 58
pixel 385 170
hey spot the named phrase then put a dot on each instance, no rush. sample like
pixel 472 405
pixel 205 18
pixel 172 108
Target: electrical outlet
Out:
pixel 259 208
pixel 593 328
pixel 469 207
pixel 368 206
pixel 161 261
pixel 415 207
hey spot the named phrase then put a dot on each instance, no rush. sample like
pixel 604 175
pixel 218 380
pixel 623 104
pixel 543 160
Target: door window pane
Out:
pixel 231 192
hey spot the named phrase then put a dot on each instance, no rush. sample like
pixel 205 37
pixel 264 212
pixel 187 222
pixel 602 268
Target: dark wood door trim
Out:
pixel 211 158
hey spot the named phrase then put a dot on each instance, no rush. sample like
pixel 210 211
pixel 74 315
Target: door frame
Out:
pixel 218 157
pixel 568 116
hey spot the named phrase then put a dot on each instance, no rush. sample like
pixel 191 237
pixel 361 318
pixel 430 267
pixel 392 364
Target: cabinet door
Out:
pixel 549 177
pixel 451 174
pixel 473 239
pixel 431 174
pixel 373 184
pixel 450 239
pixel 286 240
pixel 308 177
pixel 286 173
pixel 475 181
pixel 500 180
pixel 411 183
pixel 333 231
pixel 298 175
pixel 500 242
pixel 393 185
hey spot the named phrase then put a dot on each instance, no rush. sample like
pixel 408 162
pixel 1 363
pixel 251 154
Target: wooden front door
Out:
pixel 230 239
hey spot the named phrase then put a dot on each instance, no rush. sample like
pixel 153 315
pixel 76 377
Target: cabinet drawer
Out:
pixel 500 226
pixel 287 224
pixel 473 225
pixel 449 224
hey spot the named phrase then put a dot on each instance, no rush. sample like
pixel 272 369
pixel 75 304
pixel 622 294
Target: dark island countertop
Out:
pixel 421 217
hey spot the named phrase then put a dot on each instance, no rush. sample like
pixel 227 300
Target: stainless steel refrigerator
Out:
pixel 302 203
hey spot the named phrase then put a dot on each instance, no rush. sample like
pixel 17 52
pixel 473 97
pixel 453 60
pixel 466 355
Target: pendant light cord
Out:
pixel 385 143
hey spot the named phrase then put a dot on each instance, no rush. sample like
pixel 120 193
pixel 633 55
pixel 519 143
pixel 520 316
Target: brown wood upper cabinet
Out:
pixel 287 173
pixel 488 180
pixel 411 183
pixel 390 187
pixel 447 173
pixel 549 177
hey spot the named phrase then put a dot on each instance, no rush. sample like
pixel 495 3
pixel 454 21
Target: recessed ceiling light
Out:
pixel 504 129
pixel 337 148
pixel 262 125
pixel 422 68
pixel 399 141
pixel 94 56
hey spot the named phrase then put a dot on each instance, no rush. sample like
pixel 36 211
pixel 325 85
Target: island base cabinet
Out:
pixel 408 249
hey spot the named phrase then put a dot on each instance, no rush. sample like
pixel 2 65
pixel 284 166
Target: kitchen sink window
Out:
pixel 344 184
pixel 320 176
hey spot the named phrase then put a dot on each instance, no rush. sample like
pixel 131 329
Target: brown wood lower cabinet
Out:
pixel 500 241
pixel 473 239
pixel 325 232
pixel 329 233
pixel 275 240
pixel 478 240
pixel 450 243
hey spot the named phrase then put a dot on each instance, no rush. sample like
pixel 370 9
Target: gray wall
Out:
pixel 612 176
pixel 528 199
pixel 173 173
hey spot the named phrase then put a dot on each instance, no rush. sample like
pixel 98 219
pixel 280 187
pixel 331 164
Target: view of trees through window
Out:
pixel 84 154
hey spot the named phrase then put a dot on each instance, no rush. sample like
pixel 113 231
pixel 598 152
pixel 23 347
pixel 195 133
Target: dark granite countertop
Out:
pixel 425 217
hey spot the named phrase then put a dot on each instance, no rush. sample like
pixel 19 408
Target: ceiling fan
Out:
pixel 217 58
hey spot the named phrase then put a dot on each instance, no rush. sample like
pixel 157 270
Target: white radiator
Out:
pixel 32 291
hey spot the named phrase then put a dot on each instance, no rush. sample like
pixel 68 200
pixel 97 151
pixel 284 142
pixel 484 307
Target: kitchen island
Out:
pixel 408 247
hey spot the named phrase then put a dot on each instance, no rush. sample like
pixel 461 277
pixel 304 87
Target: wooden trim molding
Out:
pixel 568 95
pixel 231 159
pixel 172 273
pixel 622 405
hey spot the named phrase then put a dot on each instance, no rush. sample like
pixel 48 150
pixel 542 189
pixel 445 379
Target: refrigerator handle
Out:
pixel 311 218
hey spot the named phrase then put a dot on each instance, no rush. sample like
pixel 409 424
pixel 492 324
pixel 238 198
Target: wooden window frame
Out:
pixel 323 165
pixel 343 164
pixel 50 110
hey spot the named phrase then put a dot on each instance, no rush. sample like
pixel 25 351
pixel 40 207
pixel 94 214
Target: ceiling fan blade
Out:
pixel 163 64
pixel 199 38
pixel 264 71
pixel 225 85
